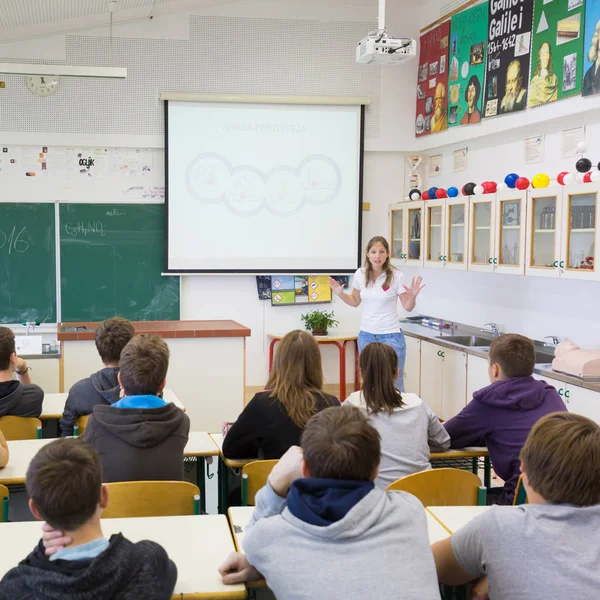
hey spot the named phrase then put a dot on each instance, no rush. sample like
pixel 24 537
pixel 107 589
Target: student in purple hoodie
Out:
pixel 501 415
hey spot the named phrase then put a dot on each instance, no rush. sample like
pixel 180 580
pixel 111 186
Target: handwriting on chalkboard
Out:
pixel 13 240
pixel 84 229
pixel 115 213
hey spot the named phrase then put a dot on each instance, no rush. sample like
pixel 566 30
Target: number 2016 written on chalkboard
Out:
pixel 13 240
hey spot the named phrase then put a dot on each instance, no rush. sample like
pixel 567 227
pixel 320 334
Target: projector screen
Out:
pixel 263 188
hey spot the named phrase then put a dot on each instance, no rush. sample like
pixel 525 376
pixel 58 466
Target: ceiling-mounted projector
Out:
pixel 378 47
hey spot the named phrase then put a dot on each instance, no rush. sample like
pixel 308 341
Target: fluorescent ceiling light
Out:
pixel 63 70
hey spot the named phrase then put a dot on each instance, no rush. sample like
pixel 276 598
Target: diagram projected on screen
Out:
pixel 246 190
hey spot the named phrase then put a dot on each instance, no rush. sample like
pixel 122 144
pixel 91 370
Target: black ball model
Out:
pixel 414 194
pixel 469 187
pixel 583 165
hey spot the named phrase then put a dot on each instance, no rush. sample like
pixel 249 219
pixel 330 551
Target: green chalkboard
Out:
pixel 27 262
pixel 111 259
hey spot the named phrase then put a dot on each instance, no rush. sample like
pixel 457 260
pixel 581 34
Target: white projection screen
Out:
pixel 263 188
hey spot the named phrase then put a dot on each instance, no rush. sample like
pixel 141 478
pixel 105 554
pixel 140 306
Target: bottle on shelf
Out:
pixel 551 219
pixel 544 218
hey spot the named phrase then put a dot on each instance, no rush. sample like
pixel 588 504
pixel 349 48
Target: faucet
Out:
pixel 491 328
pixel 554 341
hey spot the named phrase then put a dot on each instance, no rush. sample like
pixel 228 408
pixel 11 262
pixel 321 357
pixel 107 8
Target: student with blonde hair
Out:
pixel 409 429
pixel 274 419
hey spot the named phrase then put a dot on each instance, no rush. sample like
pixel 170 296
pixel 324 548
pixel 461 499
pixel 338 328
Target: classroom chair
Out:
pixel 80 425
pixel 254 477
pixel 21 428
pixel 4 501
pixel 520 493
pixel 443 487
pixel 151 499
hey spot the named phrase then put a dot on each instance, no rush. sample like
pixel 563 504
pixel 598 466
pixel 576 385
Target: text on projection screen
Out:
pixel 263 187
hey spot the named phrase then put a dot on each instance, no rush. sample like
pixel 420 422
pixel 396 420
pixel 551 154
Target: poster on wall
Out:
pixel 468 37
pixel 591 54
pixel 299 289
pixel 556 53
pixel 509 51
pixel 432 84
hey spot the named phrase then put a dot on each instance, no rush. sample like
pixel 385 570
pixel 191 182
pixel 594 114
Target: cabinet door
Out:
pixel 457 233
pixel 580 233
pixel 509 235
pixel 581 401
pixel 481 236
pixel 431 376
pixel 397 213
pixel 477 375
pixel 544 219
pixel 434 234
pixel 413 228
pixel 454 382
pixel 412 366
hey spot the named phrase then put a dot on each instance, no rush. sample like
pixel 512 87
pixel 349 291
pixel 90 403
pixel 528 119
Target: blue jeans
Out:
pixel 395 340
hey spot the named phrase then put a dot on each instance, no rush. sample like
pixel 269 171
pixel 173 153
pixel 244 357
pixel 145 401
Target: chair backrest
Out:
pixel 257 473
pixel 81 424
pixel 520 493
pixel 20 428
pixel 442 487
pixel 151 499
pixel 3 504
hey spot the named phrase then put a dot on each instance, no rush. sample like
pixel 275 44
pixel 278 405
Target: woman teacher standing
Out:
pixel 377 286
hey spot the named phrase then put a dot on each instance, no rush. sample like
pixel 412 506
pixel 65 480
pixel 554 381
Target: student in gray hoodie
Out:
pixel 102 387
pixel 321 529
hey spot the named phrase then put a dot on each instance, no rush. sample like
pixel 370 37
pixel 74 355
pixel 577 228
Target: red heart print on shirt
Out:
pixel 385 289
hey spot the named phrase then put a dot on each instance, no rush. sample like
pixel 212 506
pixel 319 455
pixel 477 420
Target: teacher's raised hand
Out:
pixel 415 287
pixel 336 288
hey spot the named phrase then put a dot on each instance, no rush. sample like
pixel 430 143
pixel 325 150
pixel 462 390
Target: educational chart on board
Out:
pixel 591 54
pixel 432 84
pixel 300 289
pixel 468 37
pixel 509 51
pixel 557 51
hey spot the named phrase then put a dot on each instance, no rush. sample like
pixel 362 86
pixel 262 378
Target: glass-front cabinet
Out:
pixel 510 232
pixel 406 220
pixel 544 232
pixel 397 246
pixel 481 238
pixel 456 242
pixel 434 233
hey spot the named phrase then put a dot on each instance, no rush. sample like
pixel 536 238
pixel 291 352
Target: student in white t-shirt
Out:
pixel 377 286
pixel 408 428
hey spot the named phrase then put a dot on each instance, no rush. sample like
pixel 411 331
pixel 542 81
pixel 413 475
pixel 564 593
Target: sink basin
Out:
pixel 466 340
pixel 543 357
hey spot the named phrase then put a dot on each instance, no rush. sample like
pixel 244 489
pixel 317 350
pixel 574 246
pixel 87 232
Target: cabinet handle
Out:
pixel 490 260
pixel 495 261
pixel 555 264
pixel 443 355
pixel 562 264
pixel 560 392
pixel 567 394
pixel 439 353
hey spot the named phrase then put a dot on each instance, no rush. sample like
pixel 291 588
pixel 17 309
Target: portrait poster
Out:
pixel 432 82
pixel 556 52
pixel 591 55
pixel 468 38
pixel 508 54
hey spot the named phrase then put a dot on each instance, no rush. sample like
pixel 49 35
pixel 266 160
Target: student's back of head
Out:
pixel 340 443
pixel 112 336
pixel 379 371
pixel 561 460
pixel 7 347
pixel 144 365
pixel 514 354
pixel 297 375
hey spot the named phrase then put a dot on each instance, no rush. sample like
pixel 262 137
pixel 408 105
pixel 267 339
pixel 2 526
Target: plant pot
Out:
pixel 319 331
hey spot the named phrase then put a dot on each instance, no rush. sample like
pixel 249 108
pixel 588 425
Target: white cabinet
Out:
pixel 406 220
pixel 443 380
pixel 435 211
pixel 477 375
pixel 580 400
pixel 456 244
pixel 412 366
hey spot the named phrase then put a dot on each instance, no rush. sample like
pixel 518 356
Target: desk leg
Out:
pixel 200 471
pixel 271 352
pixel 223 486
pixel 342 349
pixel 487 472
pixel 356 367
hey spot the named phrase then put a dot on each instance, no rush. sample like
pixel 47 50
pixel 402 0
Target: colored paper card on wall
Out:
pixel 432 84
pixel 299 289
pixel 508 55
pixel 468 39
pixel 319 289
pixel 557 51
pixel 591 55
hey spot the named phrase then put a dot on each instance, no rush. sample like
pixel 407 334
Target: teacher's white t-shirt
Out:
pixel 379 307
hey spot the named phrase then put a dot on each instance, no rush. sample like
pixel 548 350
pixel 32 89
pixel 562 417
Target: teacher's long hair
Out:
pixel 379 369
pixel 388 269
pixel 296 379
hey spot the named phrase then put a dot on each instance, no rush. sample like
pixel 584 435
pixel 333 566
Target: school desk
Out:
pixel 340 341
pixel 454 517
pixel 196 544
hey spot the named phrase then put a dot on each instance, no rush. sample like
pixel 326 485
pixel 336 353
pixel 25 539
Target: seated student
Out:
pixel 548 548
pixel 321 529
pixel 64 483
pixel 140 437
pixel 273 420
pixel 20 397
pixel 501 415
pixel 102 387
pixel 407 426
pixel 3 451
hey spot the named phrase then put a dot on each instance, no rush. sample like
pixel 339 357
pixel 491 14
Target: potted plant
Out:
pixel 318 322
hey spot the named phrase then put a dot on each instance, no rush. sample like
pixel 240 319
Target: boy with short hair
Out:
pixel 321 529
pixel 548 548
pixel 501 415
pixel 140 437
pixel 64 482
pixel 102 387
pixel 20 397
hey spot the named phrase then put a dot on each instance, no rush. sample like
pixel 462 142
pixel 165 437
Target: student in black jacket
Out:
pixel 20 397
pixel 102 387
pixel 274 419
pixel 64 482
